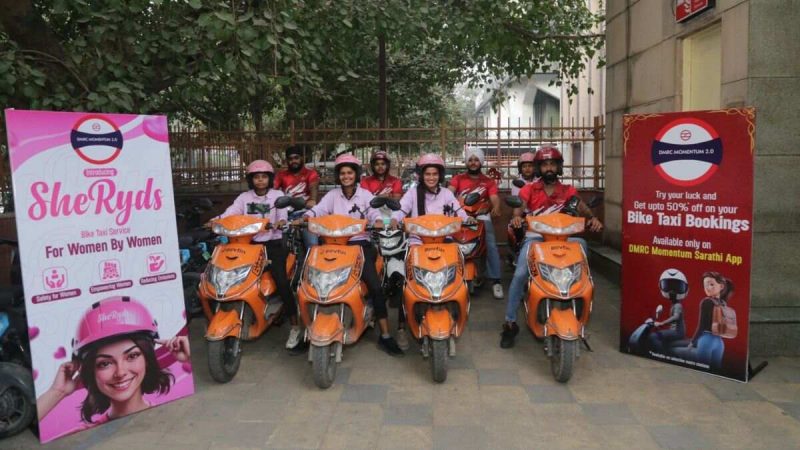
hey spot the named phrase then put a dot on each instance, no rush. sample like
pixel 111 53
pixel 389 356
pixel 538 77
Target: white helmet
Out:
pixel 673 283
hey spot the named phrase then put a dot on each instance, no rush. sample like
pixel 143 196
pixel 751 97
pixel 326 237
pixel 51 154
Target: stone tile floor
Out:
pixel 493 398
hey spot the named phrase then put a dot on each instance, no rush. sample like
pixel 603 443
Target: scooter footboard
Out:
pixel 437 324
pixel 326 328
pixel 224 324
pixel 564 324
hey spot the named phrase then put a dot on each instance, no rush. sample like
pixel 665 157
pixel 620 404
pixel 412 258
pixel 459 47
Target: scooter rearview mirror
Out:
pixel 393 205
pixel 377 202
pixel 472 199
pixel 518 183
pixel 297 203
pixel 283 202
pixel 513 201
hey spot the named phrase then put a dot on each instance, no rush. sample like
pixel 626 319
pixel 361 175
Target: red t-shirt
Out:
pixel 296 184
pixel 538 202
pixel 389 185
pixel 465 185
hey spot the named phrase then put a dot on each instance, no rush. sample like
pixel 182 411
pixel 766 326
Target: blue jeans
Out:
pixel 309 239
pixel 710 349
pixel 517 288
pixel 492 255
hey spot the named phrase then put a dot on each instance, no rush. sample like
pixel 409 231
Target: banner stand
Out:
pixel 751 372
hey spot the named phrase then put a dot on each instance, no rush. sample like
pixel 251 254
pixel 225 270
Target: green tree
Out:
pixel 234 63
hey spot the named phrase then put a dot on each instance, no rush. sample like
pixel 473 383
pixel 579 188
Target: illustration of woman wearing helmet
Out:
pixel 114 359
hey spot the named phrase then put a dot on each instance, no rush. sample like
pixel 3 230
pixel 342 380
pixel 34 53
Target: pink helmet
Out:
pixel 526 157
pixel 347 160
pixel 113 316
pixel 431 159
pixel 260 165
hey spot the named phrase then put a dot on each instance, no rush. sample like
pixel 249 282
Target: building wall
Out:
pixel 760 67
pixel 581 109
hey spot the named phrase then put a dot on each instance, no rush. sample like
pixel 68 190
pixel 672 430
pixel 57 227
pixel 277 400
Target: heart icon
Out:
pixel 187 367
pixel 33 332
pixel 60 353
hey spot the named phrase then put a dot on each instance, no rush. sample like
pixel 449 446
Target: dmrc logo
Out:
pixel 96 139
pixel 687 152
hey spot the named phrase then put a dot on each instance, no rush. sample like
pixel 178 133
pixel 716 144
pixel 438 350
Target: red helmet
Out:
pixel 380 154
pixel 347 160
pixel 428 160
pixel 113 316
pixel 526 157
pixel 545 153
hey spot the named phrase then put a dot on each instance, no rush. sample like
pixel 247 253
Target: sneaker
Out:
pixel 300 349
pixel 497 290
pixel 510 330
pixel 294 337
pixel 389 345
pixel 402 338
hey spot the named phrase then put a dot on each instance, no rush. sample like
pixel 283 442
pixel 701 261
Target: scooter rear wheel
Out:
pixel 439 360
pixel 323 364
pixel 563 360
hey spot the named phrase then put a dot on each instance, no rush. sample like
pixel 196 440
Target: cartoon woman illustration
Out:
pixel 115 360
pixel 710 348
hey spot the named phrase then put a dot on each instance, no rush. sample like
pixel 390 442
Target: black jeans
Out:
pixel 370 276
pixel 277 253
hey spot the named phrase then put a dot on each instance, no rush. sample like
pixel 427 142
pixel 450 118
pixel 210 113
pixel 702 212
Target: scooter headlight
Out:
pixel 253 228
pixel 468 248
pixel 419 230
pixel 325 282
pixel 222 280
pixel 562 278
pixel 543 228
pixel 435 282
pixel 349 230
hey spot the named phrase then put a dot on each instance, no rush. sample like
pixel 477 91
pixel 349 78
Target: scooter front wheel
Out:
pixel 323 364
pixel 563 360
pixel 224 358
pixel 439 360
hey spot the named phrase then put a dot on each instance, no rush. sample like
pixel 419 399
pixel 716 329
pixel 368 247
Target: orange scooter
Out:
pixel 560 289
pixel 472 240
pixel 332 298
pixel 237 293
pixel 436 298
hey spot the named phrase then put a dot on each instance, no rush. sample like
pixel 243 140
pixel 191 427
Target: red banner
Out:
pixel 685 9
pixel 687 238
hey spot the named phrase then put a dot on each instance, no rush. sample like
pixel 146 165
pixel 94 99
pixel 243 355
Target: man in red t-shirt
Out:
pixel 299 181
pixel 545 196
pixel 380 183
pixel 474 180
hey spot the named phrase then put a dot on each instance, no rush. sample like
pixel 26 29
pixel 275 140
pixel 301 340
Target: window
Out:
pixel 702 69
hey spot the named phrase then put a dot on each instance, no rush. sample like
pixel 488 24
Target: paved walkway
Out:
pixel 493 398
